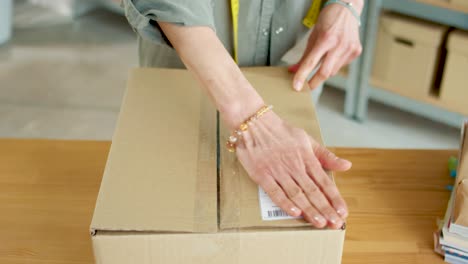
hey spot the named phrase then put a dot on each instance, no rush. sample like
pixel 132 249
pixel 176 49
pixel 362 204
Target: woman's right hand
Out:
pixel 289 165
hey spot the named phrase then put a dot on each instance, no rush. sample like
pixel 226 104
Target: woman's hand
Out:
pixel 288 164
pixel 283 160
pixel 334 42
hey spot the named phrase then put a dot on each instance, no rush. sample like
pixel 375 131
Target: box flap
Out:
pixel 412 29
pixel 246 247
pixel 239 201
pixel 161 170
pixel 460 211
pixel 458 41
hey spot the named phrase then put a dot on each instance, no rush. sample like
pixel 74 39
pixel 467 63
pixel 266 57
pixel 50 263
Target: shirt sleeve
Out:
pixel 143 15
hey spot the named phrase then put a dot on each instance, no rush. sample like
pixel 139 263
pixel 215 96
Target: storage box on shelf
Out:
pixel 454 87
pixel 454 5
pixel 407 54
pixel 459 3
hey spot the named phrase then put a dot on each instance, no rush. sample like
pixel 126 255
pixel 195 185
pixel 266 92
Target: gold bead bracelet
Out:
pixel 236 134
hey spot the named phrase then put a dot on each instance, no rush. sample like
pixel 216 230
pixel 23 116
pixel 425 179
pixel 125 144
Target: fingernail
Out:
pixel 349 163
pixel 293 68
pixel 319 219
pixel 294 210
pixel 337 223
pixel 297 85
pixel 341 211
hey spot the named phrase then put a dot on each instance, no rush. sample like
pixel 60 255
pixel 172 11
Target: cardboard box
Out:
pixel 454 88
pixel 158 201
pixel 407 53
pixel 459 3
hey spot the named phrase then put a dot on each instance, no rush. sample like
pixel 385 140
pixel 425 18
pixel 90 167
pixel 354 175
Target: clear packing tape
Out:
pixel 252 240
pixel 239 200
pixel 205 208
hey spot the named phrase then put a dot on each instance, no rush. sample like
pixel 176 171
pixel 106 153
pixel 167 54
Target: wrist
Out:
pixel 237 111
pixel 263 117
pixel 358 5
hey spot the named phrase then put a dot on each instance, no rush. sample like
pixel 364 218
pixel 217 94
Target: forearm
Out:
pixel 205 56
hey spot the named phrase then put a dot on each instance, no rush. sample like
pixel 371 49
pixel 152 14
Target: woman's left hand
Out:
pixel 334 42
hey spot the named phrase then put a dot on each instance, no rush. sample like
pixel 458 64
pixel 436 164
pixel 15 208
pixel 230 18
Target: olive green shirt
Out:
pixel 267 28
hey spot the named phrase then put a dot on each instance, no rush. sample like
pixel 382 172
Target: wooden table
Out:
pixel 48 190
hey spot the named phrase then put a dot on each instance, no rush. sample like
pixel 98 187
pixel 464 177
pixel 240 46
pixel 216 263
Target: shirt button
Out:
pixel 265 32
pixel 279 30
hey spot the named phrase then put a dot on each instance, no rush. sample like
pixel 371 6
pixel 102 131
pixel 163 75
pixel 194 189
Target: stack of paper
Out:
pixel 452 238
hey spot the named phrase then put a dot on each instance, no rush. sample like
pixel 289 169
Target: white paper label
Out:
pixel 269 210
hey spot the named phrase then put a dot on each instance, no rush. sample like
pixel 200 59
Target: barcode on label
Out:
pixel 269 210
pixel 277 213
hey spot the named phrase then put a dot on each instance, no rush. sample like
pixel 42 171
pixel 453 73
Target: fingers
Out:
pixel 293 68
pixel 342 61
pixel 350 52
pixel 296 194
pixel 327 186
pixel 355 51
pixel 318 200
pixel 326 69
pixel 309 62
pixel 328 159
pixel 277 195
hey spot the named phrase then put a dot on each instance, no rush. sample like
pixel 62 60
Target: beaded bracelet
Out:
pixel 348 5
pixel 236 134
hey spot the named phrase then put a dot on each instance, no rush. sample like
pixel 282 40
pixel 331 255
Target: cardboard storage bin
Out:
pixel 461 3
pixel 406 55
pixel 162 199
pixel 454 88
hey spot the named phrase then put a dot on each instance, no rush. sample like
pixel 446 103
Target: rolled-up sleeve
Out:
pixel 143 15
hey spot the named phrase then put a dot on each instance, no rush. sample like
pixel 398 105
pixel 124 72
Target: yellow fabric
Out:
pixel 312 14
pixel 235 23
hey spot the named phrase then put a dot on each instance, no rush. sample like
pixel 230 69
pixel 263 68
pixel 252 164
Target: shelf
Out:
pixel 432 10
pixel 338 81
pixel 427 99
pixel 446 5
pixel 418 108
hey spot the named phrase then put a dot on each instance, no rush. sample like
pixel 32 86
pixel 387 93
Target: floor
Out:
pixel 65 79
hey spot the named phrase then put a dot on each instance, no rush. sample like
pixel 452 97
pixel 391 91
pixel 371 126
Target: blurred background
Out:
pixel 64 63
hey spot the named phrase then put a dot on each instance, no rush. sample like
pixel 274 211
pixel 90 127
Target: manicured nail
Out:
pixel 297 85
pixel 333 220
pixel 341 211
pixel 319 219
pixel 293 68
pixel 349 163
pixel 294 210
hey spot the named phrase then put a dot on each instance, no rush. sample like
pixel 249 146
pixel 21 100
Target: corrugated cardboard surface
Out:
pixel 158 197
pixel 246 247
pixel 161 170
pixel 454 89
pixel 460 211
pixel 239 194
pixel 406 54
pixel 412 29
pixel 458 41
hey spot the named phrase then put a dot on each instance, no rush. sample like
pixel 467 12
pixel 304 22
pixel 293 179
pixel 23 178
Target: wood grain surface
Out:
pixel 48 189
